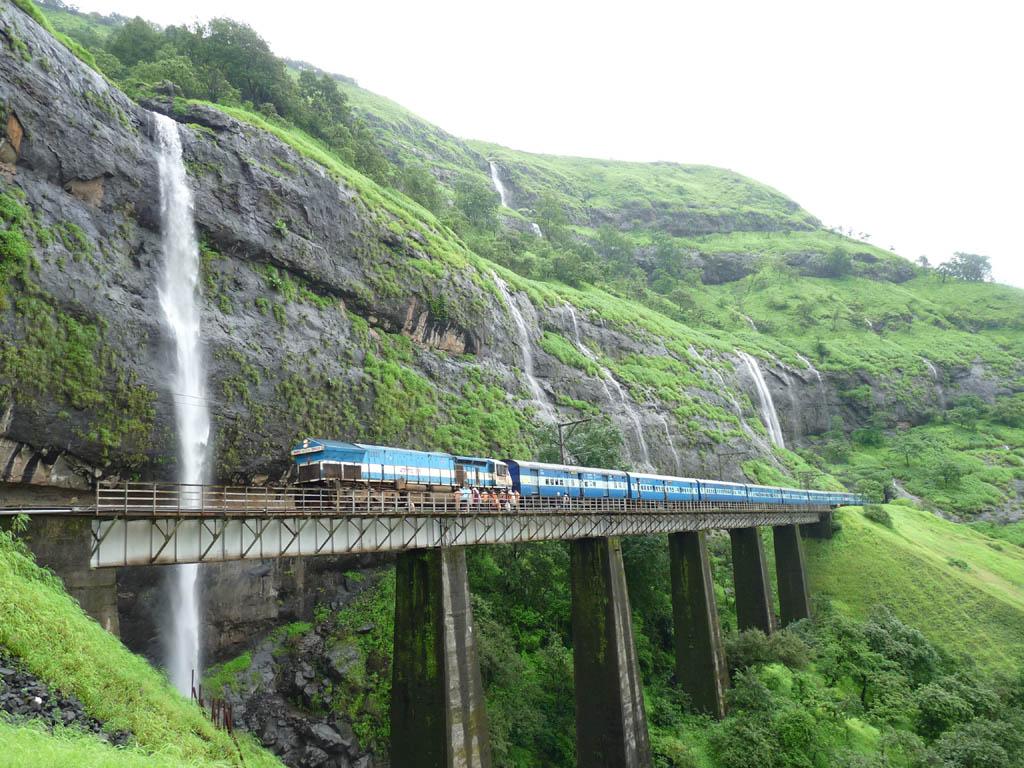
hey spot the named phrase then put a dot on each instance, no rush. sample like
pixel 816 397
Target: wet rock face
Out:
pixel 25 696
pixel 241 601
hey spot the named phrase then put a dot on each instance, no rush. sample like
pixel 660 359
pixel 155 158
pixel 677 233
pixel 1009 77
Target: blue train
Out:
pixel 334 462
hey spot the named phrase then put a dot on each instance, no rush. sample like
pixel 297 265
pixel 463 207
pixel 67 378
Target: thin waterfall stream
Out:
pixel 627 407
pixel 499 187
pixel 547 411
pixel 178 292
pixel 764 396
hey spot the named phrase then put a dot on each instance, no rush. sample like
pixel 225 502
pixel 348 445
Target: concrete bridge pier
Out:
pixel 794 596
pixel 700 656
pixel 438 716
pixel 754 606
pixel 611 724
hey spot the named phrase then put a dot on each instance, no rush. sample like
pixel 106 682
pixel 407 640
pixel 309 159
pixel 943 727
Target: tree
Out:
pixel 923 261
pixel 837 263
pixel 596 443
pixel 419 183
pixel 477 200
pixel 136 40
pixel 910 444
pixel 967 411
pixel 950 471
pixel 1009 410
pixel 967 266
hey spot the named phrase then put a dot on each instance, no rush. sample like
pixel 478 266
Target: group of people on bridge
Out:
pixel 474 498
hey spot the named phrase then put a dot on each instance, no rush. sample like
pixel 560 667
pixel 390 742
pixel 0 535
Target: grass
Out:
pixel 910 567
pixel 29 746
pixel 30 8
pixel 49 632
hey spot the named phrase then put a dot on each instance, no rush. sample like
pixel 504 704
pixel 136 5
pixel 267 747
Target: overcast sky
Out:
pixel 899 119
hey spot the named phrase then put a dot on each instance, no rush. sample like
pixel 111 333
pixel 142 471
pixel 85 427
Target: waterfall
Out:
pixel 526 345
pixel 750 322
pixel 628 408
pixel 677 465
pixel 498 186
pixel 178 291
pixel 810 366
pixel 822 389
pixel 723 389
pixel 937 378
pixel 764 395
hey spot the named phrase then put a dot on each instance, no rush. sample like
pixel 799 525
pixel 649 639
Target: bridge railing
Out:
pixel 173 500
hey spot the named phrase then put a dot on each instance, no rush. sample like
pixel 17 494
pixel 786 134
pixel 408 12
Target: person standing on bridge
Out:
pixel 457 498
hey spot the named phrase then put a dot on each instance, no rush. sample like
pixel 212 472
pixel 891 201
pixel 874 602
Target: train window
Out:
pixel 502 470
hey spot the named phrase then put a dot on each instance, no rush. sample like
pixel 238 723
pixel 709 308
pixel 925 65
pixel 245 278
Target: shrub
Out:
pixel 753 646
pixel 876 513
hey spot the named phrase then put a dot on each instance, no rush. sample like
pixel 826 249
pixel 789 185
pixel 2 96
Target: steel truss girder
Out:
pixel 120 541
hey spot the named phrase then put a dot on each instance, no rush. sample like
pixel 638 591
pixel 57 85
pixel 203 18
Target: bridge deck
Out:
pixel 141 524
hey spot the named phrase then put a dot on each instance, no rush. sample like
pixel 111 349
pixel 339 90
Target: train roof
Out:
pixel 313 442
pixel 651 476
pixel 564 467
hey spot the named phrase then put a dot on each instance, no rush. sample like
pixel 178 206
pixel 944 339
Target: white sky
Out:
pixel 901 119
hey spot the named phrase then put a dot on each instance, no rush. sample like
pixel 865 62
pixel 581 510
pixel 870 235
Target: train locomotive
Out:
pixel 338 464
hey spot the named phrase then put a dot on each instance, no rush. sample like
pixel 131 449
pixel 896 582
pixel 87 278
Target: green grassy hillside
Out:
pixel 964 590
pixel 41 625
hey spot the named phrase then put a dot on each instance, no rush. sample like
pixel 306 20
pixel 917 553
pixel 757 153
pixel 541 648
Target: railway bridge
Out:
pixel 438 716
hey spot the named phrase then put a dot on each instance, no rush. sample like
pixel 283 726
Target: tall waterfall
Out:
pixel 178 291
pixel 498 186
pixel 628 408
pixel 547 412
pixel 764 395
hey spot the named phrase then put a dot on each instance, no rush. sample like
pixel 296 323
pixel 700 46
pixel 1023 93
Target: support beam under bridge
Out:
pixel 611 724
pixel 438 717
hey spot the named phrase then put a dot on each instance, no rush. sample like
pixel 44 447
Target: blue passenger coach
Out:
pixel 764 494
pixel 534 478
pixel 719 490
pixel 647 487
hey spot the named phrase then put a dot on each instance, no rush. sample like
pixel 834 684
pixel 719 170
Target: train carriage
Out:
pixel 648 487
pixel 719 490
pixel 764 494
pixel 534 478
pixel 795 497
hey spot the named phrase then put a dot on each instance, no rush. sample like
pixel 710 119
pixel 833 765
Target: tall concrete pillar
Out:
pixel 438 716
pixel 63 544
pixel 611 724
pixel 700 656
pixel 794 596
pixel 754 609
